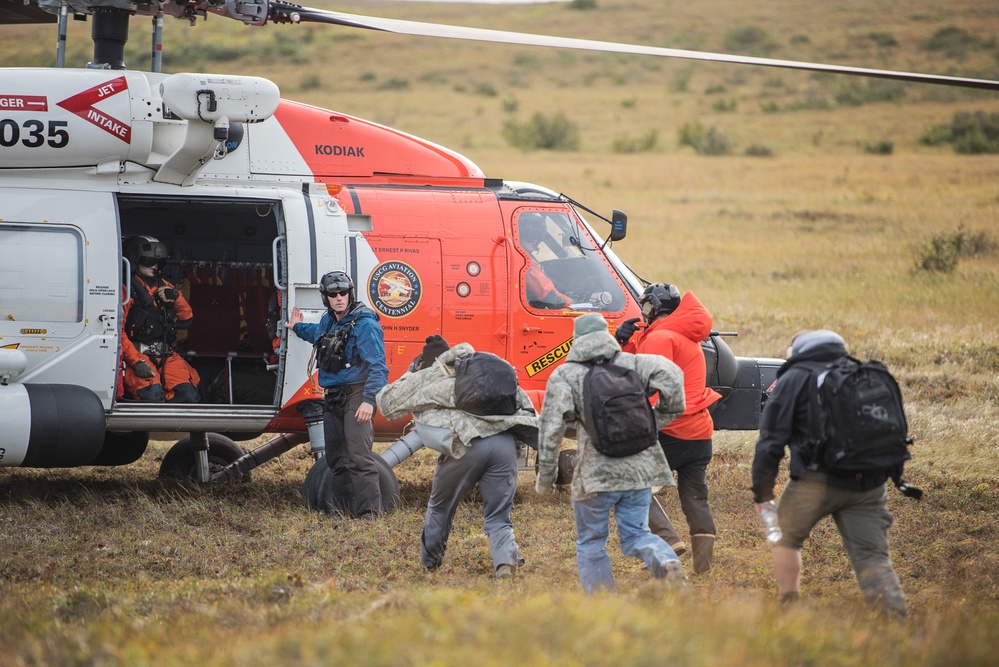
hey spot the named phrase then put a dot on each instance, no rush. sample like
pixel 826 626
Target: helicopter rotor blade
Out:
pixel 282 12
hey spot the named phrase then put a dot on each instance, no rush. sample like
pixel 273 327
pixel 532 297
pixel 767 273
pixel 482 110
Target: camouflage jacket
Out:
pixel 563 403
pixel 429 395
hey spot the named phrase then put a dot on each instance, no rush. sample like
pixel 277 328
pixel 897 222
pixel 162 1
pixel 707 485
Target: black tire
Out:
pixel 120 449
pixel 317 490
pixel 388 484
pixel 181 461
pixel 310 487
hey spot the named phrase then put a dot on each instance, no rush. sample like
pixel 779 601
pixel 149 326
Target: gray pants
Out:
pixel 356 489
pixel 862 519
pixel 491 463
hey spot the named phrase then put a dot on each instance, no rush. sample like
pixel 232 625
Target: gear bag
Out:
pixel 856 411
pixel 485 385
pixel 618 416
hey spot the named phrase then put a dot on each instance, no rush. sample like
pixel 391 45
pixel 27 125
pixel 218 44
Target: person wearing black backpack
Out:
pixel 476 449
pixel 615 480
pixel 858 503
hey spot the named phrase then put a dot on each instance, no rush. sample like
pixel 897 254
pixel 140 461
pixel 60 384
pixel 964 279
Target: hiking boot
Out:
pixel 704 549
pixel 505 571
pixel 673 574
pixel 790 598
pixel 679 548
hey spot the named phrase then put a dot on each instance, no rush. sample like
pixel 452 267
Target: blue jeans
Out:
pixel 631 512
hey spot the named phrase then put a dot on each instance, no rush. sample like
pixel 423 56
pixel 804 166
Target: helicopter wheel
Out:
pixel 182 459
pixel 317 490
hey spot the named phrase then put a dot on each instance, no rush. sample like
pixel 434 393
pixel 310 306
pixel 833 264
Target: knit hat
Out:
pixel 589 323
pixel 436 346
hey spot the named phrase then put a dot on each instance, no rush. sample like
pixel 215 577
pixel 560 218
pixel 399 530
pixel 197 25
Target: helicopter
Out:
pixel 256 197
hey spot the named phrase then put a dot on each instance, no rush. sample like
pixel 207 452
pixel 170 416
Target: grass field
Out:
pixel 114 567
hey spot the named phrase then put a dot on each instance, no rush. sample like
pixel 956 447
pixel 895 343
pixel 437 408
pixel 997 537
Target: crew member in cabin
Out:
pixel 540 290
pixel 154 312
pixel 350 355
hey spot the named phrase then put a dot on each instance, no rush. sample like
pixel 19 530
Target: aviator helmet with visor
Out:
pixel 145 251
pixel 336 283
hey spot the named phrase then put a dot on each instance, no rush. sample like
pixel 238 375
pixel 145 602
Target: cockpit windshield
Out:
pixel 565 271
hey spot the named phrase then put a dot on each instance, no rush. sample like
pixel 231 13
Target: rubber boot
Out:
pixel 704 549
pixel 660 524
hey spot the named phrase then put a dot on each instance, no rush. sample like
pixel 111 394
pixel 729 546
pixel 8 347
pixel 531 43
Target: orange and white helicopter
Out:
pixel 256 198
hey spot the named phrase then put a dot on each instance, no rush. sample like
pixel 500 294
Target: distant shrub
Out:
pixel 940 254
pixel 511 105
pixel 970 133
pixel 367 76
pixel 704 141
pixel 680 81
pixel 723 105
pixel 485 90
pixel 543 133
pixel 769 107
pixel 751 40
pixel 395 83
pixel 311 82
pixel 812 102
pixel 582 4
pixel 880 148
pixel 757 150
pixel 643 144
pixel 952 41
pixel 872 91
pixel 882 39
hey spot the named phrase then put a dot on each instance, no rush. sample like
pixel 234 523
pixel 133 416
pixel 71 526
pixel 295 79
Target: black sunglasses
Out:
pixel 343 292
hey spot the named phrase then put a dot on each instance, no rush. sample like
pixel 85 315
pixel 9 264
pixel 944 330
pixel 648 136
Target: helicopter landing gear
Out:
pixel 317 490
pixel 199 455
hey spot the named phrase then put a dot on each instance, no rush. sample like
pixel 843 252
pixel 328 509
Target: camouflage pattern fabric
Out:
pixel 563 403
pixel 429 395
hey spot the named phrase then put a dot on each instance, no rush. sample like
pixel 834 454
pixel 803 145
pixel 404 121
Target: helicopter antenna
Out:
pixel 61 39
pixel 156 55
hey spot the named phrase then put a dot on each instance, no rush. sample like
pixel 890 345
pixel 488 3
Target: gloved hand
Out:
pixel 166 294
pixel 626 330
pixel 143 370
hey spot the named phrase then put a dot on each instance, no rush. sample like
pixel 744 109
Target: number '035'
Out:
pixel 32 133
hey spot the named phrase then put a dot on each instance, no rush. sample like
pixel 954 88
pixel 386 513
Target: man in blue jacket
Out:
pixel 350 354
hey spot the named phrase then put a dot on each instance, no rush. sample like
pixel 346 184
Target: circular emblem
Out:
pixel 395 289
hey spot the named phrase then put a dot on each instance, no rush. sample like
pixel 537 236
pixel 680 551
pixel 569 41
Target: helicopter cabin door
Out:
pixel 60 288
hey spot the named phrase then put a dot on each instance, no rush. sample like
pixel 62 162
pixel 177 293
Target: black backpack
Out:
pixel 485 385
pixel 617 413
pixel 857 415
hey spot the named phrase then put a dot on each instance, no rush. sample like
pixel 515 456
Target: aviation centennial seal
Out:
pixel 395 289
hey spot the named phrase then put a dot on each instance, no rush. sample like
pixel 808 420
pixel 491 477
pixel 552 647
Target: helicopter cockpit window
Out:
pixel 565 269
pixel 44 274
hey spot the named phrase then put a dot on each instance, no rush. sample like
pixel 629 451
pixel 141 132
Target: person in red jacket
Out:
pixel 154 312
pixel 676 327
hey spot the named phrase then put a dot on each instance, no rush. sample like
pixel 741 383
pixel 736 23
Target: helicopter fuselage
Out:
pixel 256 198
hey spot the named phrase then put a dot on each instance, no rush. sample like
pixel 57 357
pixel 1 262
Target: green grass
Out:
pixel 113 567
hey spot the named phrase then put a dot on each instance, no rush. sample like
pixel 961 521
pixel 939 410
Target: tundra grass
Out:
pixel 114 567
